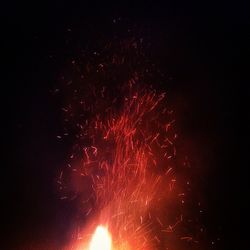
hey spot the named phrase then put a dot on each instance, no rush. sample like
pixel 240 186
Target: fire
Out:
pixel 126 155
pixel 125 169
pixel 101 239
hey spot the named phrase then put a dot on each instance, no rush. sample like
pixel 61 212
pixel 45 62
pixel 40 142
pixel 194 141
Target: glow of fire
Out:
pixel 126 152
pixel 128 158
pixel 101 239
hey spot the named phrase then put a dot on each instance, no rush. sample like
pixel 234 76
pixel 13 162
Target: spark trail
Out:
pixel 128 159
pixel 123 169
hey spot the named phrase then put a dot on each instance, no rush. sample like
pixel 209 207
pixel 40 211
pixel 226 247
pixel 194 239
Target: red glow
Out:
pixel 128 157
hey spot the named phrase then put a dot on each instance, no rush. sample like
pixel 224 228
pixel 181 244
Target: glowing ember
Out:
pixel 127 156
pixel 101 239
pixel 124 170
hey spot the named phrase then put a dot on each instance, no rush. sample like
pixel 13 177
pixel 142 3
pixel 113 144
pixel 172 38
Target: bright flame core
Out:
pixel 101 239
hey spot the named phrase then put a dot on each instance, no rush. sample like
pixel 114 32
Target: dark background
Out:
pixel 204 47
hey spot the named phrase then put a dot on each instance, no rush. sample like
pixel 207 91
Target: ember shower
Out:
pixel 124 167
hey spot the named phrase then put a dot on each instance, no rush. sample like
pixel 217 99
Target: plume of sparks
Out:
pixel 123 166
pixel 128 158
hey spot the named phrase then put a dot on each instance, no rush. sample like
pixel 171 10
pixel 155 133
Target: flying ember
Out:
pixel 124 171
pixel 128 160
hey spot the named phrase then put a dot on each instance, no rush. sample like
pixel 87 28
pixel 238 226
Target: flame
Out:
pixel 101 239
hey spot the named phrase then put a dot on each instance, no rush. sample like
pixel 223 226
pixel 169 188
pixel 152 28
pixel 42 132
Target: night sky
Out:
pixel 203 47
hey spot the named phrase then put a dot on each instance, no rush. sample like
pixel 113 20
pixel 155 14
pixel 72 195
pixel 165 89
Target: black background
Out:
pixel 203 46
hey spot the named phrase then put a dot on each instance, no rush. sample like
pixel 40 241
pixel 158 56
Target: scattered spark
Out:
pixel 124 162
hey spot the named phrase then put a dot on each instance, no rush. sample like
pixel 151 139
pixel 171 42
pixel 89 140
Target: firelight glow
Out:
pixel 101 239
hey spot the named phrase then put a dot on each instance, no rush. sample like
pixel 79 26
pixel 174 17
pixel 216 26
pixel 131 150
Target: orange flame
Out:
pixel 101 239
